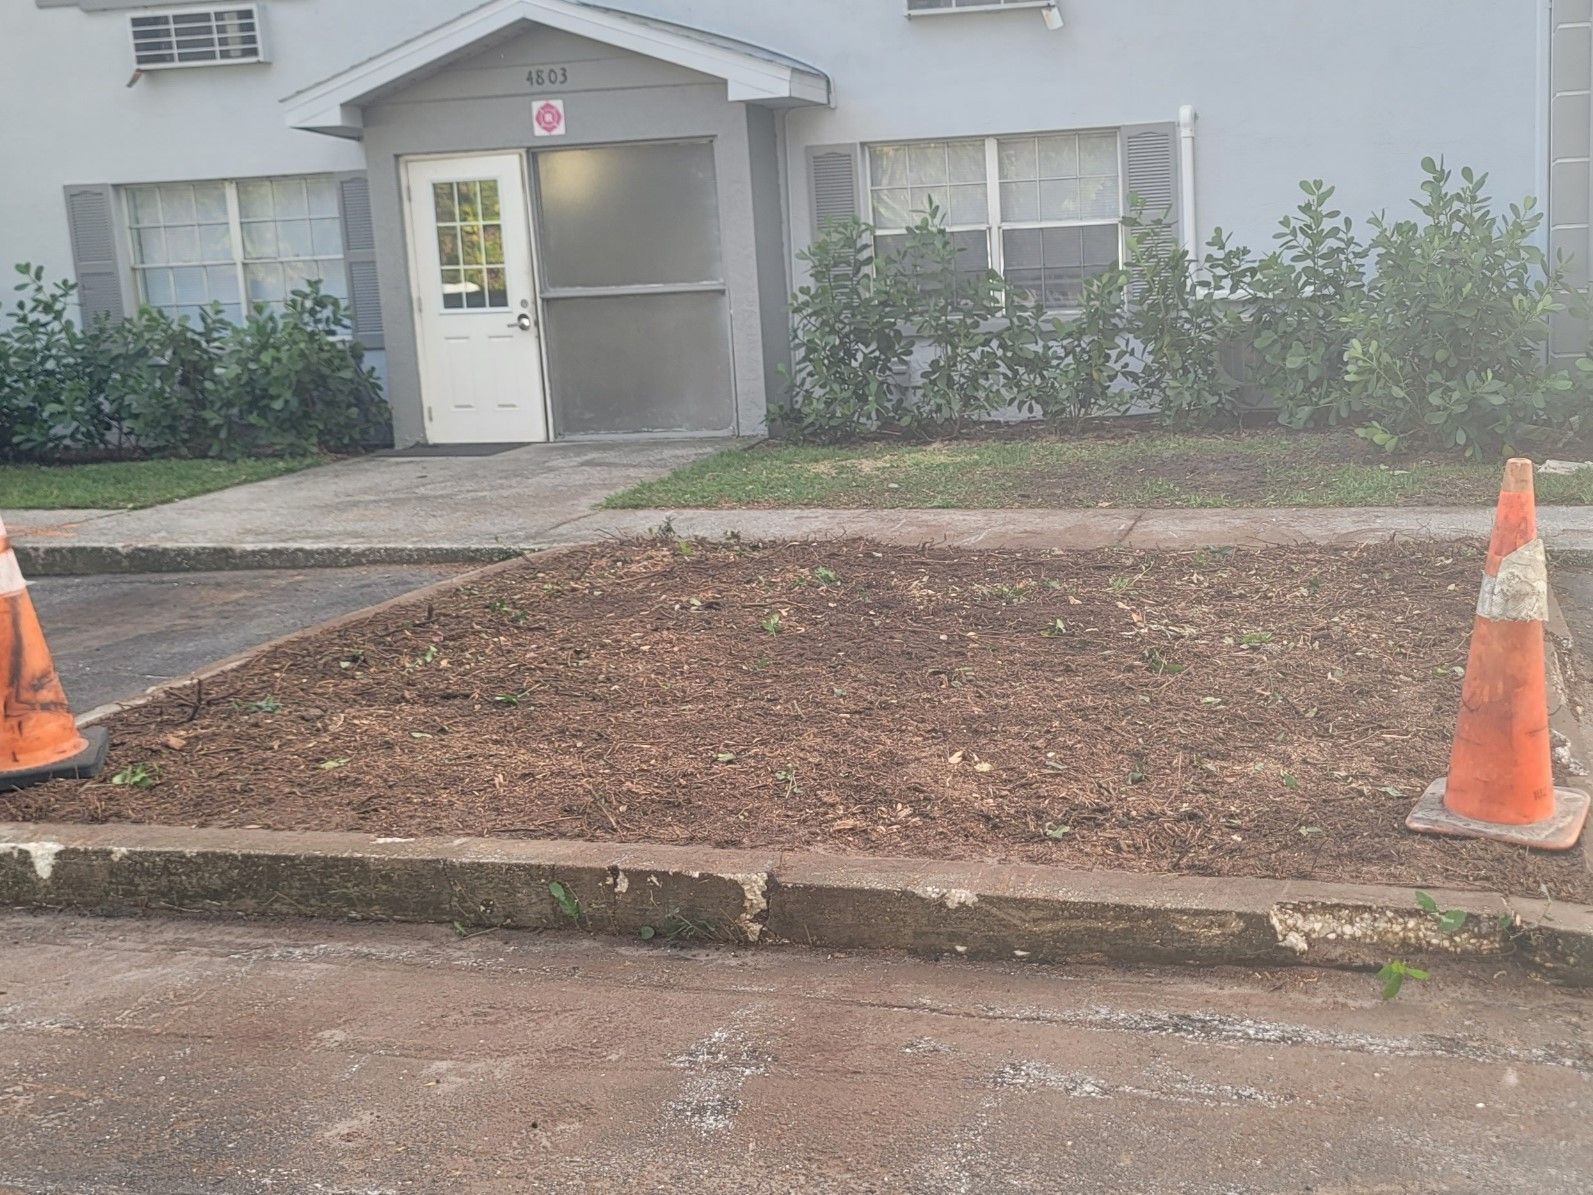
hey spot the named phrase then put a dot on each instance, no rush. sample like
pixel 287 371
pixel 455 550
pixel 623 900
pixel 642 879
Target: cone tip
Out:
pixel 1517 475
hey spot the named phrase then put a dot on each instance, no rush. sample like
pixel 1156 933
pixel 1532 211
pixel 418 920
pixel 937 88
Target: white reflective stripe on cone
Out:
pixel 1520 593
pixel 10 574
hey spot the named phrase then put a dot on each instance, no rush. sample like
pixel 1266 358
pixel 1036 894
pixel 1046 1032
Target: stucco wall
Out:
pixel 1353 91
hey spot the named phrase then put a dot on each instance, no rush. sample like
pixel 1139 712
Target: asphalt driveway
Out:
pixel 114 636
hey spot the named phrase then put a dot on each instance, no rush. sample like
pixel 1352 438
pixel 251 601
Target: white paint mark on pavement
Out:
pixel 717 1067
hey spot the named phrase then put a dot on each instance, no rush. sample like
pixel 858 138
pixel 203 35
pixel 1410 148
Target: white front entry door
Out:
pixel 476 310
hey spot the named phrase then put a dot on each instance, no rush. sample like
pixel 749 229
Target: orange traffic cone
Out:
pixel 38 739
pixel 1501 781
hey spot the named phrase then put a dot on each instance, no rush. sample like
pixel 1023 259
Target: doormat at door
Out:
pixel 425 450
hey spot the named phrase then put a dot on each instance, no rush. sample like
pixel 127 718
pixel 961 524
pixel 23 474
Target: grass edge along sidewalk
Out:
pixel 693 895
pixel 133 485
pixel 1128 469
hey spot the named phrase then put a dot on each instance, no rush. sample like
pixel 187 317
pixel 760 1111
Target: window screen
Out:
pixel 638 327
pixel 629 215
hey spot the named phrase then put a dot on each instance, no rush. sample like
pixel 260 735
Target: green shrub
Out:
pixel 1297 309
pixel 1446 346
pixel 1180 319
pixel 63 389
pixel 1429 335
pixel 849 344
pixel 178 410
pixel 1069 370
pixel 290 384
pixel 280 382
pixel 951 314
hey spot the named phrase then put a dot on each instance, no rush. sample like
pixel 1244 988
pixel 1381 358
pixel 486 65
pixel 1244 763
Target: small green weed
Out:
pixel 772 625
pixel 1007 594
pixel 565 899
pixel 1449 920
pixel 513 613
pixel 266 705
pixel 138 775
pixel 1393 977
pixel 1160 664
pixel 1123 584
pixel 511 699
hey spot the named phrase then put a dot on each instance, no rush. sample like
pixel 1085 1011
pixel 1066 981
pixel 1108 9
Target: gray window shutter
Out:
pixel 359 259
pixel 1150 170
pixel 91 221
pixel 832 184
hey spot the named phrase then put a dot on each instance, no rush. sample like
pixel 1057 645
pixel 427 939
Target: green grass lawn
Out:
pixel 126 485
pixel 1126 468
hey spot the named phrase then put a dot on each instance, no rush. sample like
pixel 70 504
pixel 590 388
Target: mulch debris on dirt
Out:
pixel 1220 713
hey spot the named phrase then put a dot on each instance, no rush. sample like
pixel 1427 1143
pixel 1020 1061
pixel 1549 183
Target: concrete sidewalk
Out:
pixel 396 510
pixel 209 540
pixel 381 509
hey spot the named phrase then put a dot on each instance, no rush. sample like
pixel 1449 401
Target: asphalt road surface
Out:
pixel 114 636
pixel 167 1056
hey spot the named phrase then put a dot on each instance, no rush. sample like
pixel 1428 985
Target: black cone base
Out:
pixel 84 764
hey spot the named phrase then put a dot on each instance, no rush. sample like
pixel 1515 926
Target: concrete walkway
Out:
pixel 153 1056
pixel 405 510
pixel 382 509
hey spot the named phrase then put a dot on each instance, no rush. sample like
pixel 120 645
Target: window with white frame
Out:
pixel 234 243
pixel 1044 210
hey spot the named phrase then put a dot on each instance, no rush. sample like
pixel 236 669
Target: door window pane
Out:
pixel 470 245
pixel 629 215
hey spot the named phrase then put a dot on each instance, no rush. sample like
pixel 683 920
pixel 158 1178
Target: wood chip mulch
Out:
pixel 1226 713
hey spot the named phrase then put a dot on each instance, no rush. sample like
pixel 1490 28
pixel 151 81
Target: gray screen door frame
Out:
pixel 632 287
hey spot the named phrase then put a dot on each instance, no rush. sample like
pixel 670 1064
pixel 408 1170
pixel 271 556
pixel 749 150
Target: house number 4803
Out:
pixel 547 76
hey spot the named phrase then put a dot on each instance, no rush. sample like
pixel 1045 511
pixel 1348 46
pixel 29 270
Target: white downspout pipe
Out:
pixel 1186 180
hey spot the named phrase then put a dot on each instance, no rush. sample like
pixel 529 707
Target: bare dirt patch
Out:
pixel 1266 713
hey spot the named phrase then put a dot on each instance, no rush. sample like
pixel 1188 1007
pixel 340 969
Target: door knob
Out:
pixel 522 321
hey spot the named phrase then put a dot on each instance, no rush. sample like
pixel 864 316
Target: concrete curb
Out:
pixel 989 911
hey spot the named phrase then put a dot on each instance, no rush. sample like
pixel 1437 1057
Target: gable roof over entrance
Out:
pixel 751 73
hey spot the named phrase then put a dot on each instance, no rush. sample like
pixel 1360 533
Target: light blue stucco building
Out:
pixel 556 219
